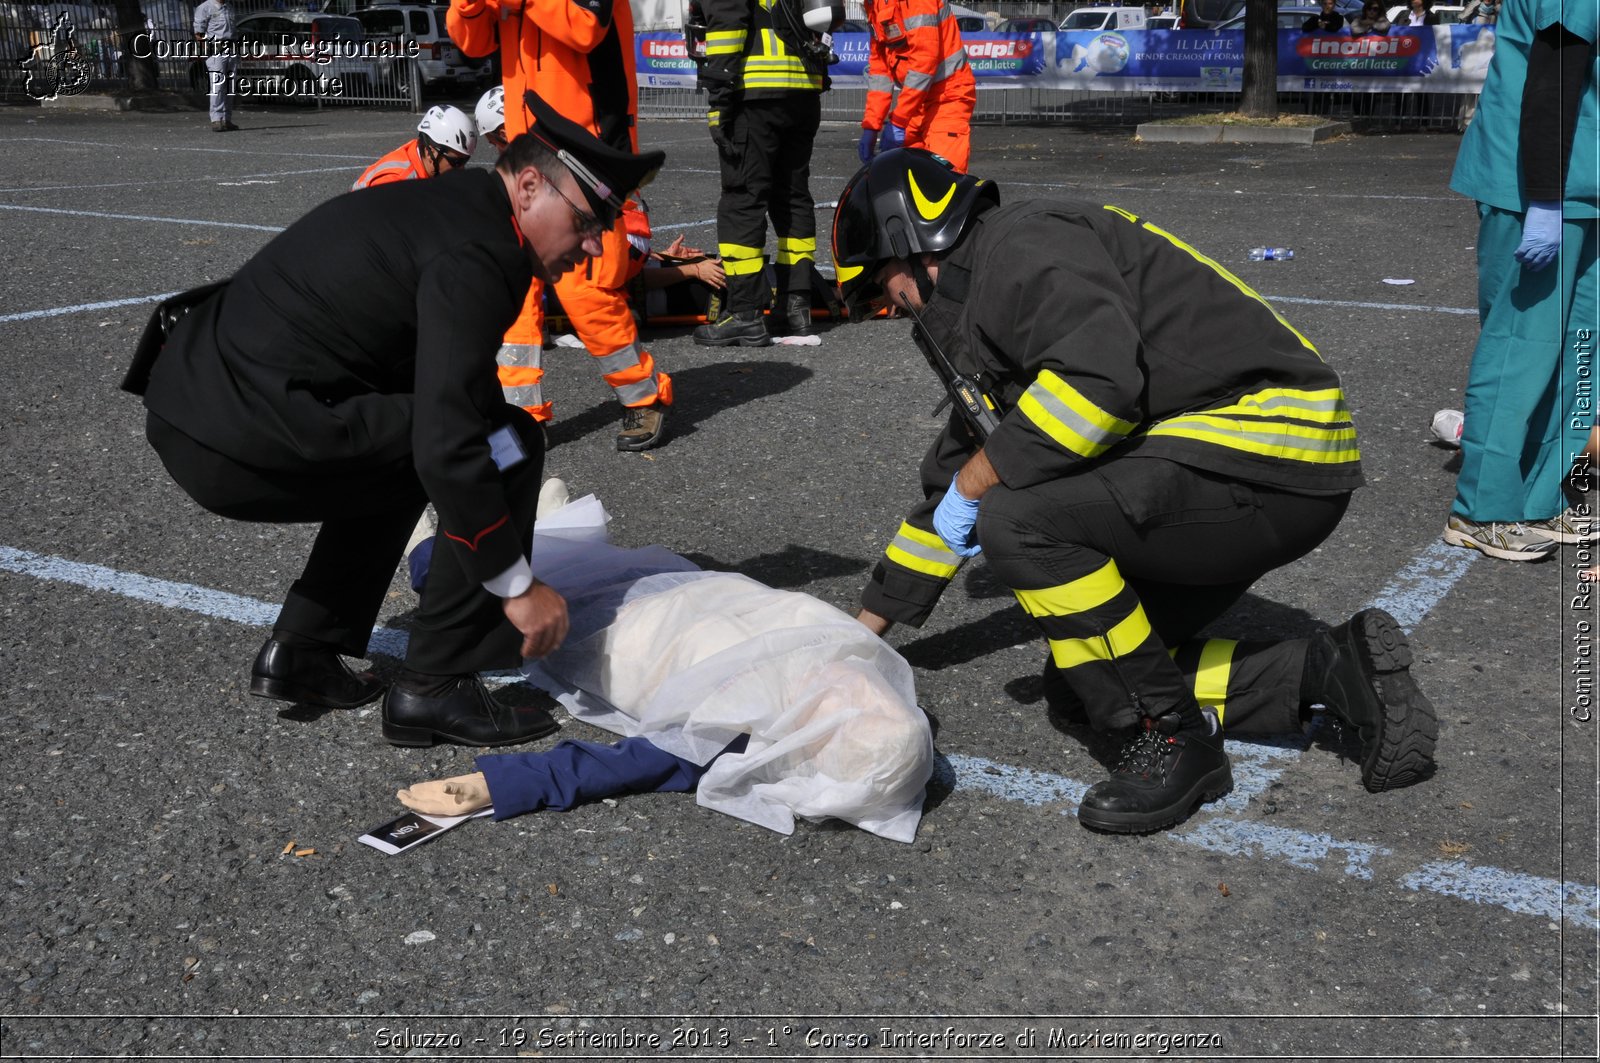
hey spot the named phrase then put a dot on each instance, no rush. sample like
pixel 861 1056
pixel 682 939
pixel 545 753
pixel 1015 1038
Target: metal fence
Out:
pixel 1367 112
pixel 29 40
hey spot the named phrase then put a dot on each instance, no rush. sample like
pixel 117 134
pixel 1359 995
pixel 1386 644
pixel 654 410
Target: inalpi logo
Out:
pixel 665 49
pixel 1017 49
pixel 1358 47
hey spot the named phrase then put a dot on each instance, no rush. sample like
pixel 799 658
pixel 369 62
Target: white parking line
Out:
pixel 30 315
pixel 182 180
pixel 143 217
pixel 1472 310
pixel 1413 592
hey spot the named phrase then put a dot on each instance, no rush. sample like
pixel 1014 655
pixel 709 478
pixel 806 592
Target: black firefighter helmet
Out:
pixel 902 203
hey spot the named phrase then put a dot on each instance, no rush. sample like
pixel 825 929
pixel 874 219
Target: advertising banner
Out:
pixel 1425 59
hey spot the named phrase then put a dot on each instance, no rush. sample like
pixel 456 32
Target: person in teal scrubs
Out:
pixel 1530 160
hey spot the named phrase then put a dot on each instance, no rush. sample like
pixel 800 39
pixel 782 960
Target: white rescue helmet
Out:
pixel 491 111
pixel 449 128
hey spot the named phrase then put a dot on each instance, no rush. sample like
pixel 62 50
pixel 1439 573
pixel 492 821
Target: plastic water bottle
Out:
pixel 1447 425
pixel 1270 254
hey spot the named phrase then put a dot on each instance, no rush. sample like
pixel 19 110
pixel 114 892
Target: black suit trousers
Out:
pixel 366 515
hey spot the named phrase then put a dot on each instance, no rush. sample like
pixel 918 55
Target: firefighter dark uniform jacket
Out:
pixel 1105 338
pixel 352 341
pixel 752 54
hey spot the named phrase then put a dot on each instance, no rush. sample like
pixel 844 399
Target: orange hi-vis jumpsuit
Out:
pixel 578 56
pixel 915 44
pixel 402 164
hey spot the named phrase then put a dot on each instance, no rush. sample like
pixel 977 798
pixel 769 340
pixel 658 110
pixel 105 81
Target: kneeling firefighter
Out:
pixel 1138 437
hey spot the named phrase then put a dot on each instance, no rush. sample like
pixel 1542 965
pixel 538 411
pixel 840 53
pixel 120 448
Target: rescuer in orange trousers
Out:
pixel 916 45
pixel 578 56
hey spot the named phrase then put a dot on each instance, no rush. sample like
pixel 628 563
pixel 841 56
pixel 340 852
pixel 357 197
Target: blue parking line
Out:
pixel 1410 595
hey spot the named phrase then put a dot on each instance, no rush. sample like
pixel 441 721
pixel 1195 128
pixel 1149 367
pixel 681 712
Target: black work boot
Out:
pixel 740 328
pixel 1163 772
pixel 1361 670
pixel 643 427
pixel 797 314
pixel 1061 702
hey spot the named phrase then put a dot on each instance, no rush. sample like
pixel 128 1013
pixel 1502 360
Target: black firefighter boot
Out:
pixel 738 328
pixel 797 314
pixel 1361 670
pixel 1165 770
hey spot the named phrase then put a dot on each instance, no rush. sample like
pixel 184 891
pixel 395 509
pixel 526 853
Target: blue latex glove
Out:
pixel 1541 235
pixel 955 520
pixel 868 146
pixel 893 137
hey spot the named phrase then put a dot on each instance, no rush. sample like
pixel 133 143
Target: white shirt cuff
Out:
pixel 512 582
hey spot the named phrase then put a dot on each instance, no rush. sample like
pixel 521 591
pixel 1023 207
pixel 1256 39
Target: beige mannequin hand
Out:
pixel 447 797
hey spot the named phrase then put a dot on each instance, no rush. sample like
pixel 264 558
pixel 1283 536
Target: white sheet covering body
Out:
pixel 692 659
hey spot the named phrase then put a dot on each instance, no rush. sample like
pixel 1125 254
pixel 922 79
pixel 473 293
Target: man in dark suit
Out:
pixel 346 377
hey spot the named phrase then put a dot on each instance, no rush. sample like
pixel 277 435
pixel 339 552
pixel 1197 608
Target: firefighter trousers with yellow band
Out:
pixel 768 174
pixel 594 297
pixel 1122 565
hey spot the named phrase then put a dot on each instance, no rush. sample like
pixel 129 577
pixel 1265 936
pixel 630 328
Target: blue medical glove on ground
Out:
pixel 893 137
pixel 1541 235
pixel 955 519
pixel 868 146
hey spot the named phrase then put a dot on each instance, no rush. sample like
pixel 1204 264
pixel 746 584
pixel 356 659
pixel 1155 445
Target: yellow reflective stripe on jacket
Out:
pixel 923 552
pixel 1273 439
pixel 1079 596
pixel 1323 406
pixel 1061 412
pixel 1120 641
pixel 725 42
pixel 1206 260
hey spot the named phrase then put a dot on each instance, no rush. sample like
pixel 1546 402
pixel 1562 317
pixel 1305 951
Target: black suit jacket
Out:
pixel 364 332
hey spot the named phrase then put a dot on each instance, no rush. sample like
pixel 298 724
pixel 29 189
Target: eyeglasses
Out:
pixel 497 138
pixel 587 224
pixel 453 160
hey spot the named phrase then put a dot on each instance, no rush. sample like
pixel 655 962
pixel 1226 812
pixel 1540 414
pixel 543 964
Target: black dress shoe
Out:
pixel 310 676
pixel 466 714
pixel 1163 773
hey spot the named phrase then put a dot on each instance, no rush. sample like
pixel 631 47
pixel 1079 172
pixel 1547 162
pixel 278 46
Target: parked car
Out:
pixel 972 24
pixel 287 53
pixel 1026 25
pixel 1290 17
pixel 439 61
pixel 1161 22
pixel 1229 14
pixel 1449 14
pixel 1105 18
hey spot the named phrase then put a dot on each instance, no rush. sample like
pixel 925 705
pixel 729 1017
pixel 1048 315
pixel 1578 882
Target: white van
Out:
pixel 1105 18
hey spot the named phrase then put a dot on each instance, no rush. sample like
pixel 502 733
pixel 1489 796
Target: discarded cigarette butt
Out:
pixel 305 852
pixel 286 848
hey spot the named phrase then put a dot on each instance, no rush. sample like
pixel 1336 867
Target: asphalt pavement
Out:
pixel 184 878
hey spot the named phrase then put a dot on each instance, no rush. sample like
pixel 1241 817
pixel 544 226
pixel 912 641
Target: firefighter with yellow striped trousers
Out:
pixel 917 47
pixel 764 72
pixel 1163 440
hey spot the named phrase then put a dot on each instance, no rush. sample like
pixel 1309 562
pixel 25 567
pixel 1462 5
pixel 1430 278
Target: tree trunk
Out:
pixel 132 39
pixel 1259 97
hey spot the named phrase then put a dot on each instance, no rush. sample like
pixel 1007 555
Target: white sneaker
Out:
pixel 1567 527
pixel 1509 542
